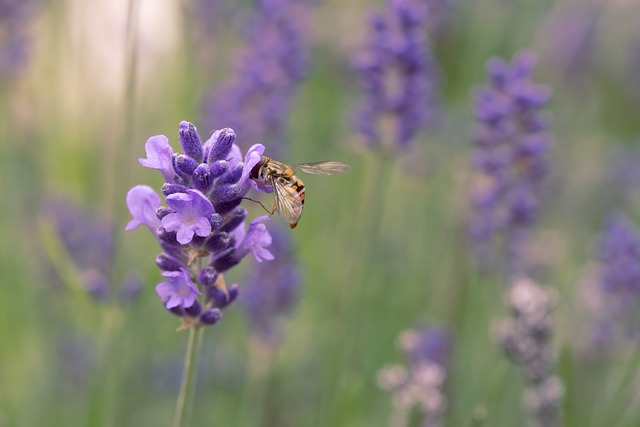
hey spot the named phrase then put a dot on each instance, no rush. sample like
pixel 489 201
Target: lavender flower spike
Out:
pixel 203 221
pixel 420 385
pixel 511 158
pixel 615 293
pixel 397 75
pixel 526 339
pixel 192 215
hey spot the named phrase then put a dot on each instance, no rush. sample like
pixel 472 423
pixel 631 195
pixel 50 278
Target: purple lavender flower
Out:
pixel 179 291
pixel 526 339
pixel 143 203
pixel 192 215
pixel 614 289
pixel 257 100
pixel 511 157
pixel 159 156
pixel 204 189
pixel 255 240
pixel 420 385
pixel 271 289
pixel 397 74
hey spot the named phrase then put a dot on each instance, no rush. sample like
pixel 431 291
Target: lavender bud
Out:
pixel 208 276
pixel 218 168
pixel 218 242
pixel 194 310
pixel 190 141
pixel 222 146
pixel 184 166
pixel 235 218
pixel 167 262
pixel 232 176
pixel 225 260
pixel 163 211
pixel 226 193
pixel 222 300
pixel 211 316
pixel 168 189
pixel 202 178
pixel 177 310
pixel 215 220
pixel 225 207
pixel 169 237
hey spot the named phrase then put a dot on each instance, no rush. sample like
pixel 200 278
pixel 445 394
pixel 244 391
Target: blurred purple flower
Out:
pixel 88 239
pixel 615 296
pixel 570 40
pixel 398 76
pixel 204 189
pixel 257 99
pixel 15 40
pixel 179 291
pixel 511 157
pixel 420 385
pixel 271 289
pixel 192 214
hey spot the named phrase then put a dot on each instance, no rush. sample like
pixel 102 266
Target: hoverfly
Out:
pixel 288 189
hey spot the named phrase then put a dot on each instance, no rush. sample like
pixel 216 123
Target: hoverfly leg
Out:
pixel 270 212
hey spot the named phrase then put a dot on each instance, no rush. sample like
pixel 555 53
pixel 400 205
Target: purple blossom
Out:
pixel 397 74
pixel 159 156
pixel 616 283
pixel 192 214
pixel 420 385
pixel 255 240
pixel 251 159
pixel 143 202
pixel 203 219
pixel 178 291
pixel 271 289
pixel 257 99
pixel 511 158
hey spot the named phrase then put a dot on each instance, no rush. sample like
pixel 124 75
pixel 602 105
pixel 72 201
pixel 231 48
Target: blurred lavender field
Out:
pixel 479 265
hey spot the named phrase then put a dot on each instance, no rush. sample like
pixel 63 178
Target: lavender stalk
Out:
pixel 526 339
pixel 202 220
pixel 511 156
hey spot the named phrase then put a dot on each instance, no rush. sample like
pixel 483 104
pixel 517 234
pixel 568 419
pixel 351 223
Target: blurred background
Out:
pixel 84 340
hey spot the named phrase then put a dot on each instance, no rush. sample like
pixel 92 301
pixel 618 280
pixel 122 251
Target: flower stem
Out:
pixel 184 404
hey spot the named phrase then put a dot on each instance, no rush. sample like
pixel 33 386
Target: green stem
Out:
pixel 184 404
pixel 617 405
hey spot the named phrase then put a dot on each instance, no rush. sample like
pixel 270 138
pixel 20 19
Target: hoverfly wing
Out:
pixel 323 168
pixel 288 202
